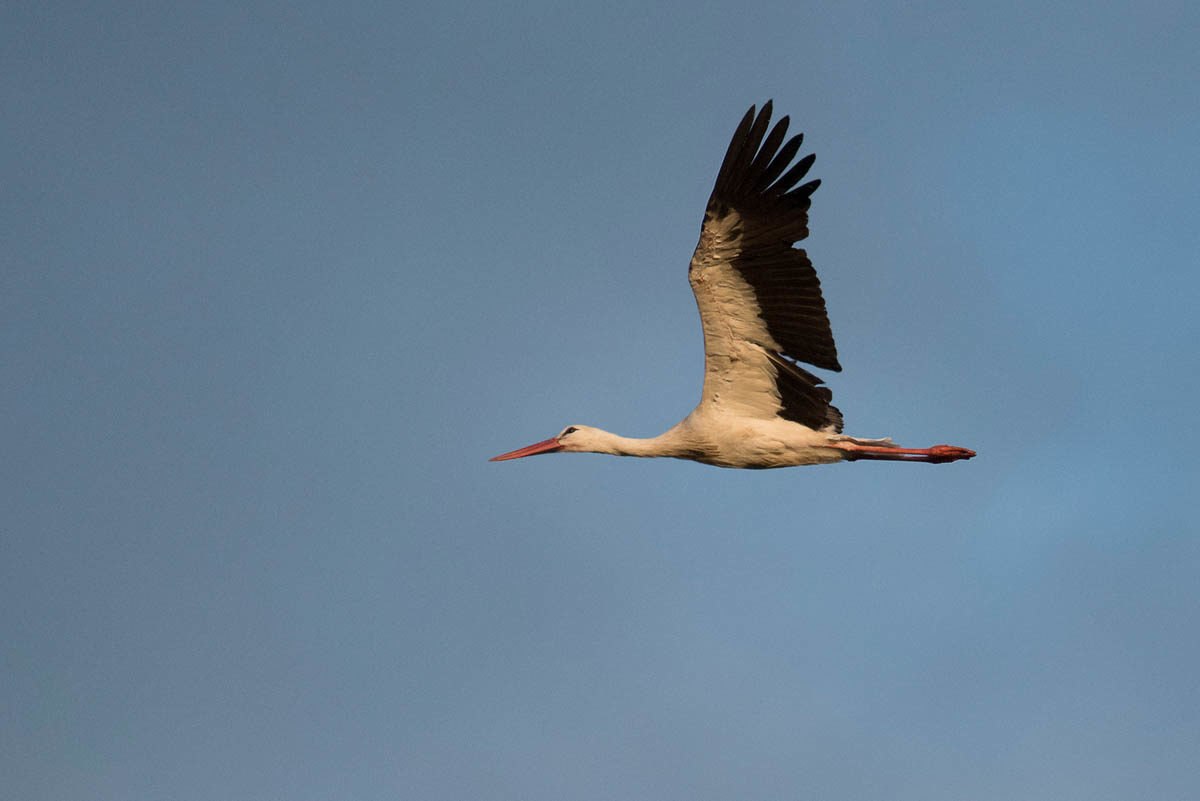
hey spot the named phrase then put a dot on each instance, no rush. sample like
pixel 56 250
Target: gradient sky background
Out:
pixel 279 278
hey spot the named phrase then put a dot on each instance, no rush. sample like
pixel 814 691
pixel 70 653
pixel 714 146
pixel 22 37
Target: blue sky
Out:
pixel 278 280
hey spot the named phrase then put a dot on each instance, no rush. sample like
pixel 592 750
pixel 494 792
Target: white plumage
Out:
pixel 761 311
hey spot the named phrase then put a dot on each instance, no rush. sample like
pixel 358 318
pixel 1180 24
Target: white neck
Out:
pixel 670 443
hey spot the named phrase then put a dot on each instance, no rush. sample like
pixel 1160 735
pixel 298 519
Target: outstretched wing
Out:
pixel 760 301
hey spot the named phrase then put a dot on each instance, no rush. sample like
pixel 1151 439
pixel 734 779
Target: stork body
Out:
pixel 761 311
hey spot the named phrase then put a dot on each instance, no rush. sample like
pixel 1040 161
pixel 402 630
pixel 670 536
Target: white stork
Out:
pixel 762 311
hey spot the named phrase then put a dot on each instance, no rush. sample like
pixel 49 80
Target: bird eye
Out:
pixel 568 430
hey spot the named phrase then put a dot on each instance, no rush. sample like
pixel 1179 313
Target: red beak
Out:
pixel 546 446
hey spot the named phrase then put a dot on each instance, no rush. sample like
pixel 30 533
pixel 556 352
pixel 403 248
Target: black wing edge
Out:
pixel 802 398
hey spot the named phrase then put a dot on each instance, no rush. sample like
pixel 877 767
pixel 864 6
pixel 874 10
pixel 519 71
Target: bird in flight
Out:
pixel 762 312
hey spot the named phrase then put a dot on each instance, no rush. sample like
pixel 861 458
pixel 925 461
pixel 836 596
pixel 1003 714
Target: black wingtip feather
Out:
pixel 763 161
pixel 807 189
pixel 743 167
pixel 725 175
pixel 783 157
pixel 752 164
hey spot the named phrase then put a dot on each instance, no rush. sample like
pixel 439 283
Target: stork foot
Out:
pixel 948 453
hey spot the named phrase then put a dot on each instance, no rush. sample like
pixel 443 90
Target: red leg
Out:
pixel 936 455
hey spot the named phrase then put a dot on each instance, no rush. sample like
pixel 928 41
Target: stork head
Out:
pixel 571 438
